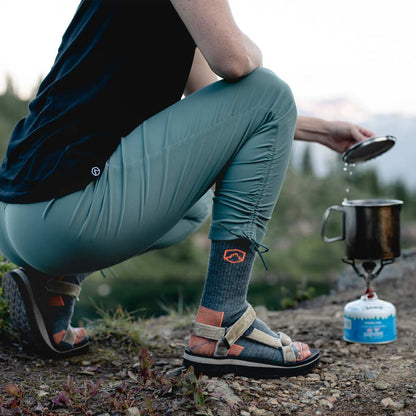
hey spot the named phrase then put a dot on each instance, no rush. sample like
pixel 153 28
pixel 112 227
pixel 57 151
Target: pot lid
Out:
pixel 368 149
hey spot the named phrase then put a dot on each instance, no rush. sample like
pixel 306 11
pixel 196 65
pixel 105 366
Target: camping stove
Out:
pixel 369 320
pixel 371 232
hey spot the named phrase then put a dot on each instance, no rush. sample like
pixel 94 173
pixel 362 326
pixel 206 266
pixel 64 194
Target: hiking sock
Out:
pixel 60 307
pixel 224 300
pixel 228 275
pixel 63 307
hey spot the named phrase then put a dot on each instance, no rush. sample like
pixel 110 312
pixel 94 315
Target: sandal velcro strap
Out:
pixel 207 331
pixel 266 339
pixel 235 331
pixel 286 340
pixel 69 337
pixel 63 288
pixel 225 337
pixel 288 354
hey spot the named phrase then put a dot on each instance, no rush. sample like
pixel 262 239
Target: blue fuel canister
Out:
pixel 370 320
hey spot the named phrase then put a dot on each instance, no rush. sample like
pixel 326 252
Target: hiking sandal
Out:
pixel 221 363
pixel 28 306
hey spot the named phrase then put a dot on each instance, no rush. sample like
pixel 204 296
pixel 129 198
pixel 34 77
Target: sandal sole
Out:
pixel 220 366
pixel 27 319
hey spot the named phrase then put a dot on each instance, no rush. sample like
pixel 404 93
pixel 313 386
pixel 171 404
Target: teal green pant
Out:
pixel 155 188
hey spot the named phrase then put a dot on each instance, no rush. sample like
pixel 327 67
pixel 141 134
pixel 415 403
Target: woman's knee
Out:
pixel 267 84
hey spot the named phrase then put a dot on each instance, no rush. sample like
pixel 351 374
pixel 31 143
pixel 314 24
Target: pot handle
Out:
pixel 326 216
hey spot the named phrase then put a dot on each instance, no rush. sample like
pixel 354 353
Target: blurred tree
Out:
pixel 367 181
pixel 12 109
pixel 400 190
pixel 306 163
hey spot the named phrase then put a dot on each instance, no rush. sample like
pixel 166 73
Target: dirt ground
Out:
pixel 119 377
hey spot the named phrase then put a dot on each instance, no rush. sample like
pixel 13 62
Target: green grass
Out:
pixel 118 324
pixel 5 266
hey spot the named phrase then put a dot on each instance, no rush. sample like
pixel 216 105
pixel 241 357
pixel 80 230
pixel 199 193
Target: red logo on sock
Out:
pixel 234 256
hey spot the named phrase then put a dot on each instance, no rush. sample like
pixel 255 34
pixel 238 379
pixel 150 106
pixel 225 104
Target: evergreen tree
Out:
pixel 12 109
pixel 306 163
pixel 400 190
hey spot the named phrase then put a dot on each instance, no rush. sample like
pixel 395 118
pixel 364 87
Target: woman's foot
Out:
pixel 41 308
pixel 246 346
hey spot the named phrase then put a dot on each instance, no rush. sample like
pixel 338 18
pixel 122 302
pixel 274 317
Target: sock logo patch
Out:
pixel 234 256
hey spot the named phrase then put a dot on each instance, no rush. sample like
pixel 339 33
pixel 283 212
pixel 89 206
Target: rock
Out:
pixel 326 403
pixel 331 377
pixel 319 343
pixel 255 411
pixel 244 413
pixel 371 375
pixel 327 359
pixel 344 351
pixel 133 411
pixel 381 385
pixel 331 399
pixel 335 393
pixel 313 377
pixel 268 387
pixel 220 390
pixel 355 348
pixel 292 407
pixel 308 394
pixel 235 385
pixel 41 394
pixel 391 404
pixel 273 402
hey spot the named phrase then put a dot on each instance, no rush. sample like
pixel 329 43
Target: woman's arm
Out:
pixel 200 76
pixel 337 135
pixel 228 51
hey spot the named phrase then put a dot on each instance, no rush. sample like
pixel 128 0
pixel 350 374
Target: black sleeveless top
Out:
pixel 119 63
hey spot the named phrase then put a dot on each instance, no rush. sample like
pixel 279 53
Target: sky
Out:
pixel 362 50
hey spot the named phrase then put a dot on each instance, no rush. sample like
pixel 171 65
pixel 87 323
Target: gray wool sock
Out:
pixel 226 285
pixel 228 276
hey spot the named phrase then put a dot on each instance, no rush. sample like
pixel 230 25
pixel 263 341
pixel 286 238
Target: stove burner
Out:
pixel 368 267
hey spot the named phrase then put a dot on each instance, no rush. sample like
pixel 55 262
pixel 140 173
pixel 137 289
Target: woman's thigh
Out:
pixel 157 173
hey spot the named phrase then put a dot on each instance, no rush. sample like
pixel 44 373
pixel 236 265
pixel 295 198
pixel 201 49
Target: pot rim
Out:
pixel 371 202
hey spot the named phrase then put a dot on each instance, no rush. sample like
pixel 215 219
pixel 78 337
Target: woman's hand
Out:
pixel 342 135
pixel 337 135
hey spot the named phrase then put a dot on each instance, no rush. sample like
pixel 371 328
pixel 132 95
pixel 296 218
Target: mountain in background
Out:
pixel 399 163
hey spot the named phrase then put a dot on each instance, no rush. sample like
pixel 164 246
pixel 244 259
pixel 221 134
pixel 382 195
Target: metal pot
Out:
pixel 370 228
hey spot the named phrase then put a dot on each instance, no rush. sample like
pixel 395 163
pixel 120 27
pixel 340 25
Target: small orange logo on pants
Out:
pixel 234 256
